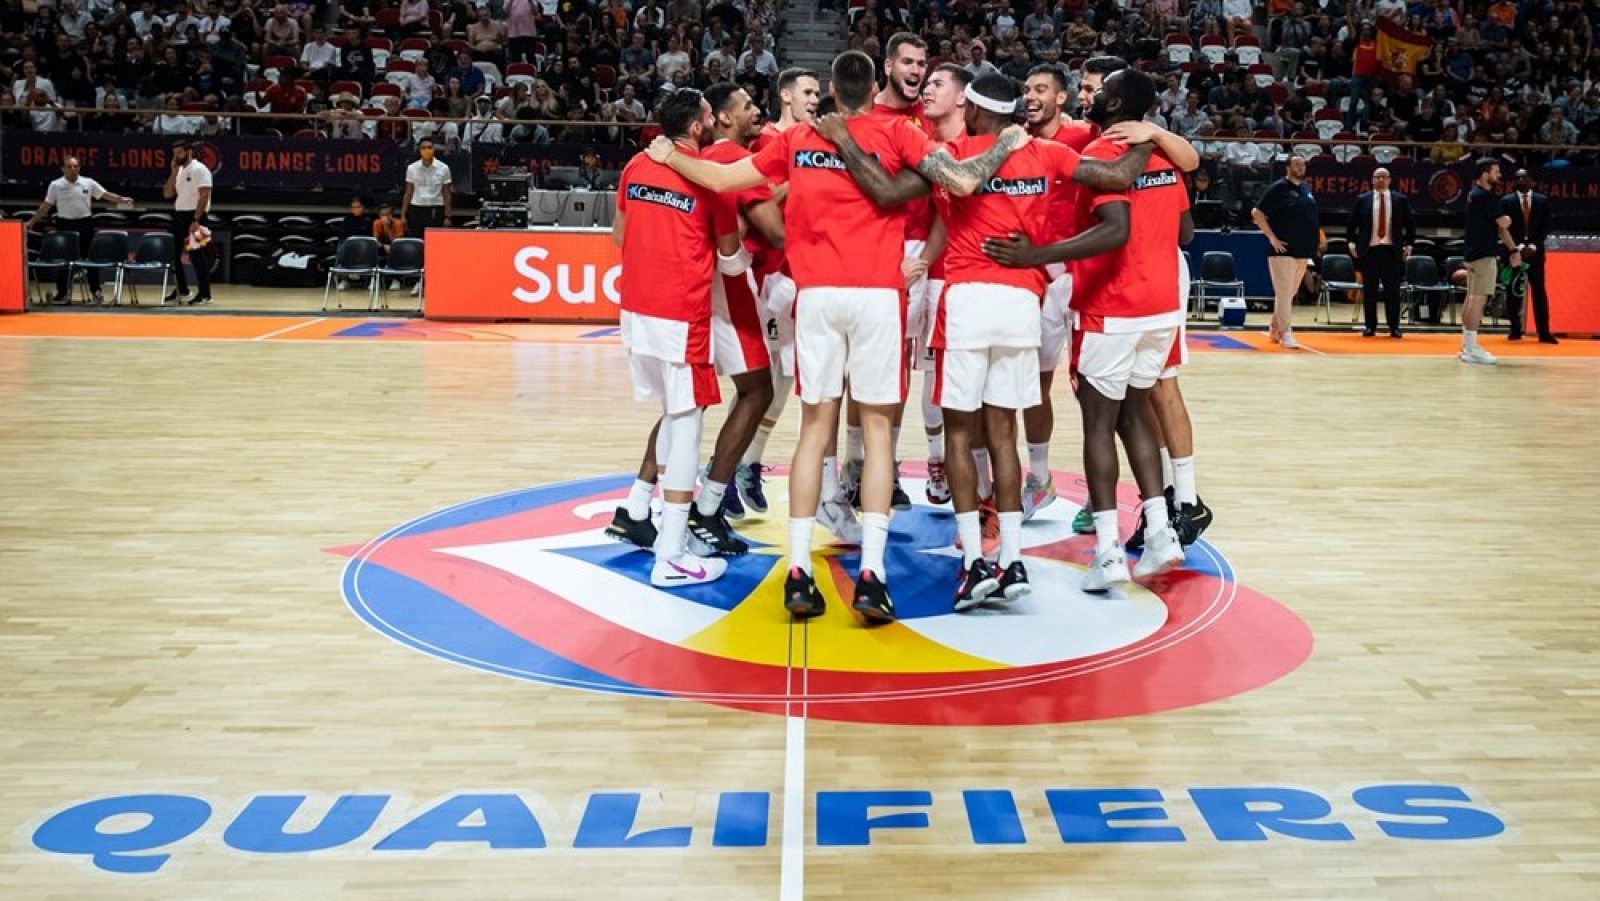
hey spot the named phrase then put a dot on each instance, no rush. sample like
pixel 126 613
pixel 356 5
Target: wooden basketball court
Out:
pixel 316 608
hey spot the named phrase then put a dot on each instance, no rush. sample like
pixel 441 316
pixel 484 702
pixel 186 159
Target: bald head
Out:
pixel 1380 179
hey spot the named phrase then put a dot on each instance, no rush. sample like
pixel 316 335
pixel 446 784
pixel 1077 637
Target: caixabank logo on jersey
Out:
pixel 525 584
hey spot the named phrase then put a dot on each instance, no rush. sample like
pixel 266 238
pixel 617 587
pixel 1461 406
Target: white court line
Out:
pixel 289 328
pixel 792 869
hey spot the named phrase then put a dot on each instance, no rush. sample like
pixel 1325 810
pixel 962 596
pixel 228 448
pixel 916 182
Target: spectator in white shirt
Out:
pixel 173 121
pixel 765 62
pixel 146 17
pixel 419 87
pixel 213 22
pixel 319 54
pixel 674 60
pixel 980 66
pixel 628 107
pixel 29 82
pixel 72 20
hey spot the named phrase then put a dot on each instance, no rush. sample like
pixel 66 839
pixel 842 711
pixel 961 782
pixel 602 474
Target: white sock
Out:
pixel 1166 469
pixel 854 450
pixel 1105 531
pixel 830 479
pixel 1469 339
pixel 1010 537
pixel 710 499
pixel 980 459
pixel 1156 514
pixel 638 502
pixel 874 538
pixel 936 447
pixel 800 542
pixel 971 533
pixel 758 445
pixel 674 525
pixel 1183 481
pixel 1039 461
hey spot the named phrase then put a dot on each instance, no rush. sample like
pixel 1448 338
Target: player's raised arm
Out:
pixel 883 189
pixel 1114 176
pixel 1175 147
pixel 963 177
pixel 719 177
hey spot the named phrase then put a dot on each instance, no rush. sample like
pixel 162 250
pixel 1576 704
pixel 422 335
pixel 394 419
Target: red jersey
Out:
pixel 669 240
pixel 837 237
pixel 767 257
pixel 1016 198
pixel 1139 281
pixel 919 212
pixel 1063 212
pixel 769 131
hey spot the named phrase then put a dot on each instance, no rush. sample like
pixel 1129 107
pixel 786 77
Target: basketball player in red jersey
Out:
pixel 675 238
pixel 1046 97
pixel 905 69
pixel 845 253
pixel 738 328
pixel 986 322
pixel 1127 314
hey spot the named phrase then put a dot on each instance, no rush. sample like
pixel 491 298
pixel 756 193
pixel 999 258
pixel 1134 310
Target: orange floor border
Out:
pixel 356 330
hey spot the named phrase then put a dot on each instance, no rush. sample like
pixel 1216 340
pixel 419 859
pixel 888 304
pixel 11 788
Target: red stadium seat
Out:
pixel 456 45
pixel 383 44
pixel 388 19
pixel 280 62
pixel 1277 93
pixel 387 89
pixel 396 64
pixel 522 69
pixel 415 43
pixel 346 87
pixel 605 76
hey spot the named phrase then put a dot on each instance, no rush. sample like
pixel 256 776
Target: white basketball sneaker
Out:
pixel 1108 569
pixel 1476 354
pixel 686 569
pixel 1162 551
pixel 836 516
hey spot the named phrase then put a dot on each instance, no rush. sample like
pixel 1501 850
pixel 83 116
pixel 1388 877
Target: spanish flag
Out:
pixel 1399 50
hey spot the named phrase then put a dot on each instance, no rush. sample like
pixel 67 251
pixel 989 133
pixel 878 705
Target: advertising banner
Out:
pixel 567 275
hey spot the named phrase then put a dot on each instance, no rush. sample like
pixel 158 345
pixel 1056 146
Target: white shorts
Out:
pixel 974 315
pixel 850 332
pixel 921 346
pixel 1005 377
pixel 777 304
pixel 738 334
pixel 679 387
pixel 1178 356
pixel 1055 318
pixel 1115 362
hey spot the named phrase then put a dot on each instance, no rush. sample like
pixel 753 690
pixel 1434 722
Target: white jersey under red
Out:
pixel 669 245
pixel 1135 287
pixel 835 236
pixel 1017 198
pixel 919 212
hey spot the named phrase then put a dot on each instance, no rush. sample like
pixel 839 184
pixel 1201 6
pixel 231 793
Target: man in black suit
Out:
pixel 1530 225
pixel 1381 235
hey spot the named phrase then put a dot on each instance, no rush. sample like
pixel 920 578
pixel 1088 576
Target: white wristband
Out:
pixel 736 264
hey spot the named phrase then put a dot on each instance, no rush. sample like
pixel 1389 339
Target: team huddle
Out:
pixel 916 226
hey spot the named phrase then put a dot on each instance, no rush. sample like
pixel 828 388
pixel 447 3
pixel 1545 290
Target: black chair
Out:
pixel 57 253
pixel 107 252
pixel 357 257
pixel 1216 271
pixel 405 261
pixel 607 180
pixel 157 252
pixel 1422 289
pixel 1338 273
pixel 155 220
pixel 563 178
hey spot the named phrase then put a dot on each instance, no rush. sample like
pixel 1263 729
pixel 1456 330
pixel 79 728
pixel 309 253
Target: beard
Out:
pixel 1098 113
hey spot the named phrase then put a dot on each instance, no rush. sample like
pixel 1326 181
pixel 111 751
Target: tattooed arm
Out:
pixel 1117 176
pixel 963 177
pixel 881 188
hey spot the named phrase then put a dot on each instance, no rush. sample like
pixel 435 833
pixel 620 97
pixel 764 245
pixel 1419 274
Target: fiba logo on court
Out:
pixel 524 584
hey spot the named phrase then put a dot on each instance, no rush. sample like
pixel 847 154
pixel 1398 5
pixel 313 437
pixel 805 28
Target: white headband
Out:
pixel 1003 107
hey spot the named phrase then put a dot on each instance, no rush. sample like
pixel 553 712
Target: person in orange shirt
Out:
pixel 1504 12
pixel 386 227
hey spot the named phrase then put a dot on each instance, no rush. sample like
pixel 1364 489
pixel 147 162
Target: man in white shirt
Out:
pixel 146 17
pixel 72 20
pixel 319 56
pixel 427 199
pixel 766 63
pixel 72 195
pixel 189 187
pixel 213 22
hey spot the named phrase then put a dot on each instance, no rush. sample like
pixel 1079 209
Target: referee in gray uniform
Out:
pixel 73 195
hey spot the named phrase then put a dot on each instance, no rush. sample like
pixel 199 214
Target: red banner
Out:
pixel 13 261
pixel 570 275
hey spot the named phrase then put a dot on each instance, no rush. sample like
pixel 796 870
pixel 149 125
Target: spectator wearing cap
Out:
pixel 345 121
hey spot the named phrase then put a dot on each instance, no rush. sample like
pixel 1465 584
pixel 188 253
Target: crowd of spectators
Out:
pixel 1494 73
pixel 330 67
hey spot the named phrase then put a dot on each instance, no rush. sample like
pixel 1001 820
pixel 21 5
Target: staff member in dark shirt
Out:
pixel 1529 212
pixel 1381 235
pixel 1287 215
pixel 1487 232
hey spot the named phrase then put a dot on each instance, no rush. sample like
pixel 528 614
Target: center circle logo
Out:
pixel 525 584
